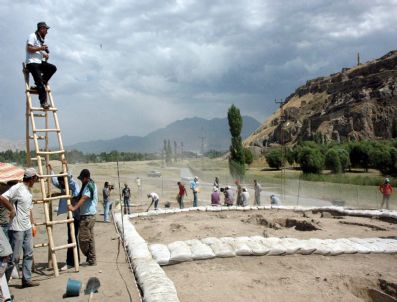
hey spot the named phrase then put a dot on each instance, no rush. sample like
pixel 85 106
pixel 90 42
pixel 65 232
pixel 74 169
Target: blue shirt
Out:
pixel 74 188
pixel 194 185
pixel 89 206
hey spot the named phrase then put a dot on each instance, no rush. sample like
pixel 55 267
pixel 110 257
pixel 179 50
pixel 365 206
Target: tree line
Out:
pixel 75 156
pixel 313 157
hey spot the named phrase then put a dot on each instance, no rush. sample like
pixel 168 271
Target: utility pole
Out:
pixel 182 152
pixel 283 151
pixel 358 59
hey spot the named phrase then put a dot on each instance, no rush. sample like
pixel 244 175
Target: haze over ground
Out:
pixel 130 67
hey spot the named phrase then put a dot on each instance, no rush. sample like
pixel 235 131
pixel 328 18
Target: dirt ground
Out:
pixel 275 278
pixel 117 281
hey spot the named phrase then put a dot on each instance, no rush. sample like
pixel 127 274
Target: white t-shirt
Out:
pixel 154 196
pixel 36 57
pixel 21 199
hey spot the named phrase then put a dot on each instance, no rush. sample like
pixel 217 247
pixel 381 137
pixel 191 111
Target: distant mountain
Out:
pixel 190 131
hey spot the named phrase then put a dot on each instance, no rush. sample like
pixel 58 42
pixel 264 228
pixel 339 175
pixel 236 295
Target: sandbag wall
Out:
pixel 153 281
pixel 340 210
pixel 211 247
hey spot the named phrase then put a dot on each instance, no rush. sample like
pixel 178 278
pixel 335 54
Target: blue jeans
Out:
pixel 21 241
pixel 195 199
pixel 106 210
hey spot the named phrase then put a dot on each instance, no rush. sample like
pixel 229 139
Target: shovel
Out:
pixel 92 286
pixel 149 206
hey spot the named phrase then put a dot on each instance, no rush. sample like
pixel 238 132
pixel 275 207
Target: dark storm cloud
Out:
pixel 128 67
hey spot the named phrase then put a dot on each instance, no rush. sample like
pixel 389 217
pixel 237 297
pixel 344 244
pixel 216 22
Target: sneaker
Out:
pixel 30 284
pixel 66 267
pixel 45 105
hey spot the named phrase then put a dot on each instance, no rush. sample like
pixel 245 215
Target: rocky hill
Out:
pixel 354 104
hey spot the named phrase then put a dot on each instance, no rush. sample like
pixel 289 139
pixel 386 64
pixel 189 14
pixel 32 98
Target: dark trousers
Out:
pixel 126 205
pixel 69 253
pixel 41 73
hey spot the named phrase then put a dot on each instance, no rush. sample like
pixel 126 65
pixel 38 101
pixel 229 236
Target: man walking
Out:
pixel 88 200
pixel 20 231
pixel 37 54
pixel 74 188
pixel 386 189
pixel 194 186
pixel 126 194
pixel 239 191
pixel 181 195
pixel 258 190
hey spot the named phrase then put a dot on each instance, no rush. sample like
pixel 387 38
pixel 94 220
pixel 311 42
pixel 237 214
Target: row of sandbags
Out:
pixel 341 210
pixel 153 281
pixel 211 247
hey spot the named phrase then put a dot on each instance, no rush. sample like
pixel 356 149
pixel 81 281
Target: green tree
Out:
pixel 236 159
pixel 248 157
pixel 332 161
pixel 274 159
pixel 311 160
pixel 359 155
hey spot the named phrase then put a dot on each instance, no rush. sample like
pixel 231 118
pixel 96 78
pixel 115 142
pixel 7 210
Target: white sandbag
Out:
pixel 348 246
pixel 239 245
pixel 253 208
pixel 335 248
pixel 307 247
pixel 139 251
pixel 275 248
pixel 180 252
pixel 383 243
pixel 361 248
pixel 390 245
pixel 201 209
pixel 200 251
pixel 220 249
pixel 291 245
pixel 261 207
pixel 232 208
pixel 160 253
pixel 257 247
pixel 321 249
pixel 368 245
pixel 240 208
pixel 375 246
pixel 225 208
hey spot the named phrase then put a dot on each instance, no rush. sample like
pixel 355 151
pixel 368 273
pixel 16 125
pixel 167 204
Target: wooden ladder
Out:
pixel 43 154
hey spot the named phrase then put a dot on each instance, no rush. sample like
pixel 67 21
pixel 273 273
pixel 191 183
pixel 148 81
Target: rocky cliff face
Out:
pixel 354 104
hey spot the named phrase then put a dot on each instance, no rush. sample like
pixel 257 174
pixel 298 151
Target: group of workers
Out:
pixel 16 233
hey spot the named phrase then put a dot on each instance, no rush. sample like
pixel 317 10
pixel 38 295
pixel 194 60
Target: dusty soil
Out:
pixel 117 281
pixel 275 278
pixel 278 223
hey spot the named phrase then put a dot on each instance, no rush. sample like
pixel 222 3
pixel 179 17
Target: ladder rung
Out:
pixel 49 153
pixel 52 175
pixel 40 245
pixel 61 247
pixel 38 137
pixel 57 197
pixel 42 109
pixel 35 91
pixel 39 115
pixel 39 201
pixel 47 130
pixel 55 222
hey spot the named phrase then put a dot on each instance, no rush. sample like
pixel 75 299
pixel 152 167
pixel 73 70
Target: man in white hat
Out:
pixel 386 189
pixel 20 231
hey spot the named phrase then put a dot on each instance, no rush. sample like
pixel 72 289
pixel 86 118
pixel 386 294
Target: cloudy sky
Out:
pixel 132 66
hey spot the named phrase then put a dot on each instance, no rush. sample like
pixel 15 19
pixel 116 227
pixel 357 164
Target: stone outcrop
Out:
pixel 354 104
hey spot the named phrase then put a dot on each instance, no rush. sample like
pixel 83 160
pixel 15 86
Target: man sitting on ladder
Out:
pixel 36 61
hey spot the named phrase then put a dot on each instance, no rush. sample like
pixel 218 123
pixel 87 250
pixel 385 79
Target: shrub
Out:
pixel 311 160
pixel 274 159
pixel 248 157
pixel 332 161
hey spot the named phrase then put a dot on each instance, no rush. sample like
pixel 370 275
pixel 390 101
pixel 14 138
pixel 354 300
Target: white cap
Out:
pixel 196 178
pixel 29 173
pixel 215 189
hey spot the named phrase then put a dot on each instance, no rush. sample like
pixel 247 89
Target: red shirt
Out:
pixel 386 189
pixel 182 190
